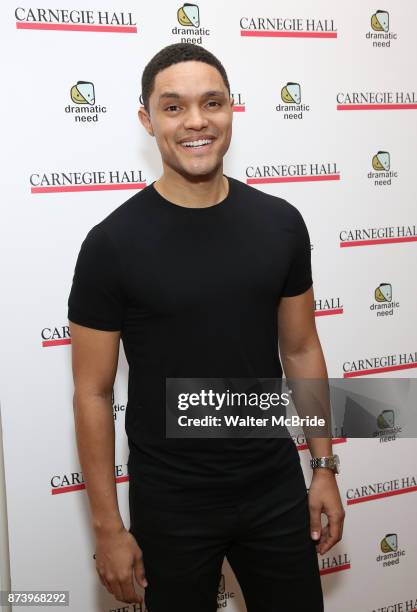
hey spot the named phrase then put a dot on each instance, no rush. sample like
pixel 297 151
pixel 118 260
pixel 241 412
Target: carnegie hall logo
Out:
pixel 387 429
pixel 334 563
pixel 75 20
pixel 84 109
pixel 118 409
pixel 292 173
pixel 391 552
pixel 239 104
pixel 383 175
pixel 408 605
pixel 134 607
pixel 380 33
pixel 376 100
pixel 384 305
pixel 74 481
pixel 292 107
pixel 328 306
pixel 288 27
pixel 89 180
pixel 377 490
pixel 301 442
pixel 189 29
pixel 378 364
pixel 377 235
pixel 223 595
pixel 55 336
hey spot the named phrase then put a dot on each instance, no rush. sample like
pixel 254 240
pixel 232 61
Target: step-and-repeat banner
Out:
pixel 325 116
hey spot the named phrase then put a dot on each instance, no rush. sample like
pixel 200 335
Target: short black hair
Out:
pixel 173 54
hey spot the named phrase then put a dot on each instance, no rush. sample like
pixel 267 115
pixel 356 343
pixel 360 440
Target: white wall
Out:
pixel 51 543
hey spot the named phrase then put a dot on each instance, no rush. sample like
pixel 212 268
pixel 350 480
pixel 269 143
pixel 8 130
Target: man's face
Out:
pixel 190 104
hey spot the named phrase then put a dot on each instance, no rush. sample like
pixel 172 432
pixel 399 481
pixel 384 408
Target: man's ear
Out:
pixel 145 120
pixel 232 101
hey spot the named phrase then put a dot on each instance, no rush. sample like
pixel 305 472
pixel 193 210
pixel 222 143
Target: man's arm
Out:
pixel 302 357
pixel 94 363
pixel 301 352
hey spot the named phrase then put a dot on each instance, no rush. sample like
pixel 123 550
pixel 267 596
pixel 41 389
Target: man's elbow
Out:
pixel 86 398
pixel 295 349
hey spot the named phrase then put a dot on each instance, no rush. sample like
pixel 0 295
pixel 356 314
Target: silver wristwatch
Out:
pixel 332 462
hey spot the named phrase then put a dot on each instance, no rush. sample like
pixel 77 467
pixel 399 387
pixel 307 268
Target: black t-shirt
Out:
pixel 194 292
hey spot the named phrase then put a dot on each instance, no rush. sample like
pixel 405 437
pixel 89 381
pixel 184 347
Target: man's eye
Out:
pixel 174 107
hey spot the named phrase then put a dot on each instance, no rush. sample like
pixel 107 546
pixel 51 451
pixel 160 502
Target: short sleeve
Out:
pixel 299 277
pixel 96 298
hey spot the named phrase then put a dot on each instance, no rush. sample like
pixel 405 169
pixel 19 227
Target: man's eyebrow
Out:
pixel 207 94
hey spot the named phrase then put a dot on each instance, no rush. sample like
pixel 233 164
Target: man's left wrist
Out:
pixel 323 472
pixel 330 463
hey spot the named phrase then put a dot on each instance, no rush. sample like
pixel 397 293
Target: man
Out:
pixel 199 275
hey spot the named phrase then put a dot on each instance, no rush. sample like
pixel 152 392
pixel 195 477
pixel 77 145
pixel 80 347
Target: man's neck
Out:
pixel 201 192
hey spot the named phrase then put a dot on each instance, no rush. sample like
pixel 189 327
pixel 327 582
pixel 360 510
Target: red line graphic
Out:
pixel 301 447
pixel 292 179
pixel 75 27
pixel 343 107
pixel 405 366
pixel 339 568
pixel 56 342
pixel 332 311
pixel 359 500
pixel 63 188
pixel 378 241
pixel 290 34
pixel 239 109
pixel 79 487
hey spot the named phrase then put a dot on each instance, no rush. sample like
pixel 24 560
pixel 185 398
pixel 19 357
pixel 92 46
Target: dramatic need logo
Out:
pixel 84 109
pixel 391 553
pixel 383 175
pixel 384 305
pixel 188 16
pixel 379 33
pixel 292 107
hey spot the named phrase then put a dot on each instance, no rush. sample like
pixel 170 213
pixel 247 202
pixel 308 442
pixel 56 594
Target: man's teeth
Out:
pixel 196 143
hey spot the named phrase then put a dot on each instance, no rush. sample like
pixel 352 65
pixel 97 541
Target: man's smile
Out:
pixel 198 144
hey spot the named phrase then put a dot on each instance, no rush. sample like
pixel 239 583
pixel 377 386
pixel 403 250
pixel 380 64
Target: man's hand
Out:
pixel 118 556
pixel 324 496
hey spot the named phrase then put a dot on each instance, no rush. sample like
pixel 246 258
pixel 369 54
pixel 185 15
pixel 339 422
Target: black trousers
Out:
pixel 264 533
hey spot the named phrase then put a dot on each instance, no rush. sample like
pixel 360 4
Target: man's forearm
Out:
pixel 94 426
pixel 309 363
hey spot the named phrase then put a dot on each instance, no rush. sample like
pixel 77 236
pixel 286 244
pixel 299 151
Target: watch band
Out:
pixel 331 461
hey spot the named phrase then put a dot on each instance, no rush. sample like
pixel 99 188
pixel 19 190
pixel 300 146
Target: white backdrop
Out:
pixel 363 234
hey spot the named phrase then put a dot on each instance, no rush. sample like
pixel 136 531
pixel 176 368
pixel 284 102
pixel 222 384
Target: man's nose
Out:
pixel 195 119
